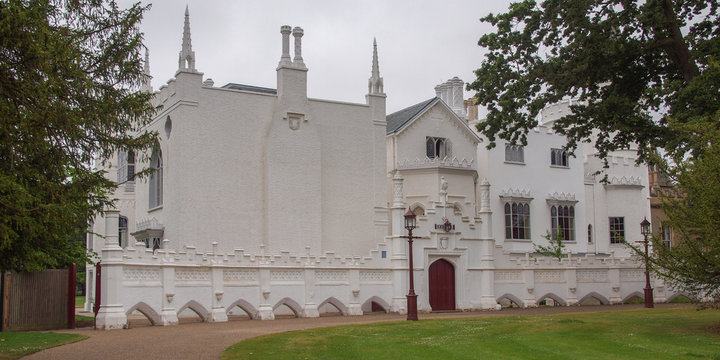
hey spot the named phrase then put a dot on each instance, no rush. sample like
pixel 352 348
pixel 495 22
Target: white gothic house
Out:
pixel 264 200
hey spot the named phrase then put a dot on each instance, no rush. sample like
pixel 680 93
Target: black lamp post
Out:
pixel 645 230
pixel 410 224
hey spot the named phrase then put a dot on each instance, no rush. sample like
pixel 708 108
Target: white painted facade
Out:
pixel 270 198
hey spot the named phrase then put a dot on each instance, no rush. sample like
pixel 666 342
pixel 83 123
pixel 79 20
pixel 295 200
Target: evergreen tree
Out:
pixel 70 74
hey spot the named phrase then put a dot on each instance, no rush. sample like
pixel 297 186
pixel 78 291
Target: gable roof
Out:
pixel 398 119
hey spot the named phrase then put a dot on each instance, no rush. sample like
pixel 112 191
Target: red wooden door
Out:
pixel 442 285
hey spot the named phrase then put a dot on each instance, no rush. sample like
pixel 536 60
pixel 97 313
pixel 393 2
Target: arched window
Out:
pixel 122 231
pixel 437 147
pixel 418 211
pixel 558 157
pixel 517 220
pixel 563 221
pixel 156 178
pixel 514 153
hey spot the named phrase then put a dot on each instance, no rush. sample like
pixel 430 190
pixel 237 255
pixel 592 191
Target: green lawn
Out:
pixel 79 301
pixel 16 344
pixel 682 333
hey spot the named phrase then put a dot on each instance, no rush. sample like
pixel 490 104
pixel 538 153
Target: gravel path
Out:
pixel 209 340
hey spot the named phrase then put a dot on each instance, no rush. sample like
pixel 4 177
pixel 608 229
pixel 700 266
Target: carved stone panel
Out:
pixel 240 276
pixel 286 275
pixel 192 275
pixel 508 275
pixel 627 275
pixel 549 276
pixel 331 276
pixel 375 276
pixel 141 274
pixel 591 276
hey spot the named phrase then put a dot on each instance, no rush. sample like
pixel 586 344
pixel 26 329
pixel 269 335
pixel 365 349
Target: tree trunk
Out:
pixel 677 49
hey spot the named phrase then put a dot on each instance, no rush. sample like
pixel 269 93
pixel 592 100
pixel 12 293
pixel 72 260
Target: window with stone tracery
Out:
pixel 517 220
pixel 514 153
pixel 156 178
pixel 563 221
pixel 617 230
pixel 558 157
pixel 123 231
pixel 437 147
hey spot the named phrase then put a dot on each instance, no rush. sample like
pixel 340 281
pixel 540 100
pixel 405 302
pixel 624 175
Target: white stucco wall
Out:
pixel 539 180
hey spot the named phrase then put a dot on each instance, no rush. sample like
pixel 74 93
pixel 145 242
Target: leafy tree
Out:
pixel 623 60
pixel 556 248
pixel 69 78
pixel 693 263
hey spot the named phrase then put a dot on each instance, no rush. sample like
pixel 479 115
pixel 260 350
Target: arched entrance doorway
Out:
pixel 441 281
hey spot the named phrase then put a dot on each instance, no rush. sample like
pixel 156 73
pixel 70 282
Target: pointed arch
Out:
pixel 246 306
pixel 146 310
pixel 418 209
pixel 441 285
pixel 367 305
pixel 512 298
pixel 603 300
pixel 556 298
pixel 676 295
pixel 195 306
pixel 632 295
pixel 336 303
pixel 294 306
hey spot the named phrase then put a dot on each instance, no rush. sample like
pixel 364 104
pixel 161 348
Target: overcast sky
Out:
pixel 421 43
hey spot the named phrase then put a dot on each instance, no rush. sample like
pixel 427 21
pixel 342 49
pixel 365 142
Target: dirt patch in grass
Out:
pixel 714 329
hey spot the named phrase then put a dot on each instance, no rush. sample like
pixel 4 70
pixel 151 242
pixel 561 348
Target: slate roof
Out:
pixel 244 87
pixel 398 119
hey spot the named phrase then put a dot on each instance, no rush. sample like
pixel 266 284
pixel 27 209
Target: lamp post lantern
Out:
pixel 645 231
pixel 410 224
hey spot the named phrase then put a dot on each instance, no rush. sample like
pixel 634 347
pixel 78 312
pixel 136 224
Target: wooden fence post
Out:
pixel 71 296
pixel 6 278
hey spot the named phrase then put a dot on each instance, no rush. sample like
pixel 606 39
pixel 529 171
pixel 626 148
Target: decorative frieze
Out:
pixel 374 276
pixel 632 181
pixel 286 275
pixel 631 275
pixel 141 274
pixel 192 275
pixel 591 275
pixel 515 193
pixel 240 276
pixel 331 275
pixel 418 163
pixel 561 198
pixel 549 276
pixel 508 275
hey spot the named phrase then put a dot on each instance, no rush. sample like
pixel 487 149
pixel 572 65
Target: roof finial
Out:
pixel 186 60
pixel 146 86
pixel 375 83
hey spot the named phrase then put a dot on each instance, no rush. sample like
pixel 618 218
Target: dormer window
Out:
pixel 437 147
